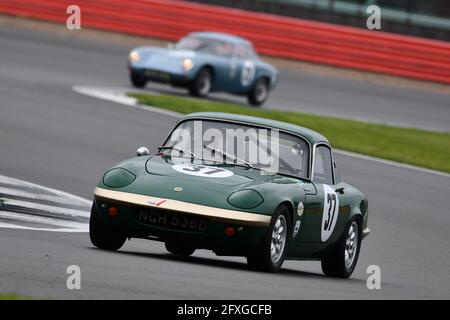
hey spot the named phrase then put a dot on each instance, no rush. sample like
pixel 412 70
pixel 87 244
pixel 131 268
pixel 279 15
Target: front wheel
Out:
pixel 342 260
pixel 103 236
pixel 137 81
pixel 259 93
pixel 270 254
pixel 202 83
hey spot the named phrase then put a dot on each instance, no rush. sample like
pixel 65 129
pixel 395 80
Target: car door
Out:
pixel 243 67
pixel 323 203
pixel 219 54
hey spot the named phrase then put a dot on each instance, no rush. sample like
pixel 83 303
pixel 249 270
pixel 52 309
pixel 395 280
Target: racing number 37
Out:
pixel 331 200
pixel 330 212
pixel 202 169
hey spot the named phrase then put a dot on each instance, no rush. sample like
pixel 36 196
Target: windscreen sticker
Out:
pixel 330 212
pixel 202 171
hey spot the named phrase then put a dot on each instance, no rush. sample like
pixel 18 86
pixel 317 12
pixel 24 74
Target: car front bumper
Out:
pixel 248 228
pixel 162 76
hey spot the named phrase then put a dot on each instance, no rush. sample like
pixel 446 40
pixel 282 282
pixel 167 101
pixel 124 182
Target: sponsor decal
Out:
pixel 297 227
pixel 300 209
pixel 156 203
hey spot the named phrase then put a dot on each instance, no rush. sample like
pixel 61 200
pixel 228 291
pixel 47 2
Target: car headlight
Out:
pixel 134 56
pixel 118 178
pixel 188 64
pixel 245 199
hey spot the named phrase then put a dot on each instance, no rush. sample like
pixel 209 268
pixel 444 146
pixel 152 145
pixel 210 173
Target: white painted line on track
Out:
pixel 63 219
pixel 19 182
pixel 63 212
pixel 7 192
pixel 43 220
pixel 118 95
pixel 105 94
pixel 111 94
pixel 68 230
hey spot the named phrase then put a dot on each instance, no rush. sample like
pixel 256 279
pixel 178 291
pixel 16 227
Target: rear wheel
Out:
pixel 179 249
pixel 103 236
pixel 202 83
pixel 137 81
pixel 259 93
pixel 342 260
pixel 270 254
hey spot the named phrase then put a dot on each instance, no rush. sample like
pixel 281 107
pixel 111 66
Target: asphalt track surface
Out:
pixel 53 136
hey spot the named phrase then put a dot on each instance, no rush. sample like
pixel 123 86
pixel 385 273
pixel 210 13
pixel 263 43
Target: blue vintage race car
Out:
pixel 204 62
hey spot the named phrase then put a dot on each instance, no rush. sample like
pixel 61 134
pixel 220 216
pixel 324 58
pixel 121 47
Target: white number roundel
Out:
pixel 330 212
pixel 202 171
pixel 248 72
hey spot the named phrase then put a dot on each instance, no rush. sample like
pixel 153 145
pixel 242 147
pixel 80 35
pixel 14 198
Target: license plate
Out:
pixel 157 75
pixel 171 220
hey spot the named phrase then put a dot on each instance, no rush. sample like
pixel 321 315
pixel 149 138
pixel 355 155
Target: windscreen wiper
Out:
pixel 229 156
pixel 193 156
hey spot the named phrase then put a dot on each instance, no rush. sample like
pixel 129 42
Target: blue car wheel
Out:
pixel 259 93
pixel 138 81
pixel 202 83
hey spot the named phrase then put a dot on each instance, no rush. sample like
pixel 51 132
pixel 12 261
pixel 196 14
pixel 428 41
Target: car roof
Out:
pixel 308 134
pixel 221 36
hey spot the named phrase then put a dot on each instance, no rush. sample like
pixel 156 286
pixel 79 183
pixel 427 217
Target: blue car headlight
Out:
pixel 187 64
pixel 118 178
pixel 245 199
pixel 134 56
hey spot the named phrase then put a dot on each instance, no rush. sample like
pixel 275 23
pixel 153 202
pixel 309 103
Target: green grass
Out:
pixel 12 296
pixel 422 148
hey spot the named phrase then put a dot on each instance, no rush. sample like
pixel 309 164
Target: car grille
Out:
pixel 157 75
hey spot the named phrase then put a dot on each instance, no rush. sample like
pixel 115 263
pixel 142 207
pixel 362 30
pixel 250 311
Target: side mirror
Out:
pixel 142 151
pixel 170 46
pixel 340 190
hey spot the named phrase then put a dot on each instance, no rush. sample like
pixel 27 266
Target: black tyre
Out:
pixel 137 81
pixel 270 254
pixel 179 249
pixel 103 236
pixel 341 262
pixel 202 83
pixel 259 93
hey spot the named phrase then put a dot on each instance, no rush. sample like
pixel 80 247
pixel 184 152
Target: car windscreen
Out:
pixel 263 148
pixel 206 45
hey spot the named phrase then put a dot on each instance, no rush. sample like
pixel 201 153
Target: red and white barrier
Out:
pixel 272 35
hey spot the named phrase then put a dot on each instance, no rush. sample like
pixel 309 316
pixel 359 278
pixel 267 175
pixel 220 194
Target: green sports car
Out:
pixel 239 186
